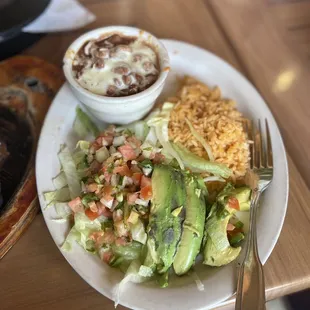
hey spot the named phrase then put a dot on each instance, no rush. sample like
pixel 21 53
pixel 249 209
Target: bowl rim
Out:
pixel 77 43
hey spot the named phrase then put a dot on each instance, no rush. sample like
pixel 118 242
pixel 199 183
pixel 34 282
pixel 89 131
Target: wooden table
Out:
pixel 268 41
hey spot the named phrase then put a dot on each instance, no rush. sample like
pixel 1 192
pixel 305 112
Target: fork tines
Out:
pixel 260 148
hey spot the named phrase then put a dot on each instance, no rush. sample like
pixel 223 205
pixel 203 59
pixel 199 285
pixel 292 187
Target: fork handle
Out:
pixel 251 285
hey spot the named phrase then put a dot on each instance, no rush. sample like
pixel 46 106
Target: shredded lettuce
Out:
pixel 83 145
pixel 151 137
pixel 145 271
pixel 153 114
pixel 60 195
pixel 73 235
pixel 204 143
pixel 148 149
pixel 70 171
pixel 132 275
pixel 60 180
pixel 139 128
pixel 81 231
pixel 138 232
pixel 63 210
pixel 83 125
pixel 79 159
pixel 160 123
pixel 129 252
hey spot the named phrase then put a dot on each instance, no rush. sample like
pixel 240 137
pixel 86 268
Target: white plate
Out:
pixel 219 283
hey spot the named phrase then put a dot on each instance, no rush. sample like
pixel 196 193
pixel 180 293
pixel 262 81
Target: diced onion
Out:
pixel 102 154
pixel 118 141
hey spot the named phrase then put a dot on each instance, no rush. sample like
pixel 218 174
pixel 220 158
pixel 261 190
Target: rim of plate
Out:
pixel 170 45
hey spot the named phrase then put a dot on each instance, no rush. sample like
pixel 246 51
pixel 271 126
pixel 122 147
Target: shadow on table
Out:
pixel 299 301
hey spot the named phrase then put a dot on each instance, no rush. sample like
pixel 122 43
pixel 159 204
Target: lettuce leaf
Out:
pixel 81 232
pixel 83 125
pixel 138 232
pixel 160 123
pixel 60 195
pixel 132 275
pixel 60 180
pixel 70 171
pixel 129 252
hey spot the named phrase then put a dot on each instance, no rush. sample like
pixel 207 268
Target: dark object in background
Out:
pixel 28 85
pixel 14 15
pixel 17 44
pixel 15 151
pixel 299 300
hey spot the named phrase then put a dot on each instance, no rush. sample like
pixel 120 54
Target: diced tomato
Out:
pixel 103 210
pixel 146 192
pixel 92 187
pixel 91 215
pixel 134 140
pixel 123 171
pixel 128 152
pixel 76 205
pixel 233 203
pixel 137 177
pixel 230 227
pixel 131 198
pixel 107 256
pixel 120 241
pixel 145 181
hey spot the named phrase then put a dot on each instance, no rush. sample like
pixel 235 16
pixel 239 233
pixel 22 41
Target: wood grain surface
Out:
pixel 254 37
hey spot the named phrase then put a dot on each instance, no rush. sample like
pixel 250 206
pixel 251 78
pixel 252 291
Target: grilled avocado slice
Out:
pixel 192 228
pixel 164 229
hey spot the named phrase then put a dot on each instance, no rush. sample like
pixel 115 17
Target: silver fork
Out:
pixel 251 285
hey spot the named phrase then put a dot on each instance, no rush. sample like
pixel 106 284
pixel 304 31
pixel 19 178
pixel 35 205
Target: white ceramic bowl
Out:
pixel 118 110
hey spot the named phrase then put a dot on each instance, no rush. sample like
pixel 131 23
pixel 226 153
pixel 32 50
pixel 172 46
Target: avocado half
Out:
pixel 192 228
pixel 164 229
pixel 217 250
